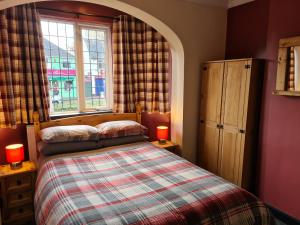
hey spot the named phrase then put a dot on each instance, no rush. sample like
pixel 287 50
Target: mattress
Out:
pixel 138 184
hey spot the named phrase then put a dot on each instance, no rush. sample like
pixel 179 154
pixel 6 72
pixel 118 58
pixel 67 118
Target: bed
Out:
pixel 138 183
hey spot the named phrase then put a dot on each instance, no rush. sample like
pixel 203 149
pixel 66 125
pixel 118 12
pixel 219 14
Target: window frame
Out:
pixel 78 26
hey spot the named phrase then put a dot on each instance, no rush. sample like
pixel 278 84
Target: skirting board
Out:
pixel 283 216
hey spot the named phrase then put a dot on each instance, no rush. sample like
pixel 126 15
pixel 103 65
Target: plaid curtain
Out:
pixel 140 66
pixel 23 72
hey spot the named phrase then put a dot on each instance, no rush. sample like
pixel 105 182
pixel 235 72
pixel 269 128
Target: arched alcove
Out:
pixel 176 48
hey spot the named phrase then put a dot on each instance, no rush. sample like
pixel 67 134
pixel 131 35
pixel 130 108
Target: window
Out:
pixel 78 66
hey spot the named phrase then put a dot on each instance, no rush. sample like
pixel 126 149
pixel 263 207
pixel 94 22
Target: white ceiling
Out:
pixel 221 3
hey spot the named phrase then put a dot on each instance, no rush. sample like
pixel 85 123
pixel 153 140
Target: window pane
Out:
pixel 52 28
pixel 92 34
pixel 100 35
pixel 86 57
pixel 70 45
pixel 85 34
pixel 45 28
pixel 62 43
pixel 61 29
pixel 70 30
pixel 100 46
pixel 94 67
pixel 61 65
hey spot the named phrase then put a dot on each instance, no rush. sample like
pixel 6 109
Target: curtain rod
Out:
pixel 77 14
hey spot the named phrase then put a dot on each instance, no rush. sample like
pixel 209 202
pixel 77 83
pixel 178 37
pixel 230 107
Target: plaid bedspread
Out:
pixel 139 184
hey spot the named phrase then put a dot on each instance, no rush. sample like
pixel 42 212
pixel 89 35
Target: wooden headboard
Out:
pixel 33 136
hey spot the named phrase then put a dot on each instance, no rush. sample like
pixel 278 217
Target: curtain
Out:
pixel 23 72
pixel 140 66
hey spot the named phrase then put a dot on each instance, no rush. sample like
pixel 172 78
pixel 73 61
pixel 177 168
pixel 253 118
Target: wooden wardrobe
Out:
pixel 230 103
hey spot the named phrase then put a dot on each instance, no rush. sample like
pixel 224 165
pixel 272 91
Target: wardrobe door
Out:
pixel 233 119
pixel 231 156
pixel 209 147
pixel 210 115
pixel 235 94
pixel 211 92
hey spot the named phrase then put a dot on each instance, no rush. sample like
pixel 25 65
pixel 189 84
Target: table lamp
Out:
pixel 14 155
pixel 162 134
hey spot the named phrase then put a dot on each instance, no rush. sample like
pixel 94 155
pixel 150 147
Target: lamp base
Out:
pixel 162 141
pixel 15 165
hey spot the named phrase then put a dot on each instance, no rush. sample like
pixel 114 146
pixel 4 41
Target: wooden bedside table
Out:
pixel 17 191
pixel 170 146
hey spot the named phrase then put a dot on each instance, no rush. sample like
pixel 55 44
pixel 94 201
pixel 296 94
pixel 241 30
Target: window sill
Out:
pixel 61 116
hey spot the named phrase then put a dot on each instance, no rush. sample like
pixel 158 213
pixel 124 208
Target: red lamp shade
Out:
pixel 162 132
pixel 14 153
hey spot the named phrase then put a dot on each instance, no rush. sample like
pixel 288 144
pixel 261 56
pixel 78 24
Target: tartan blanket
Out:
pixel 139 184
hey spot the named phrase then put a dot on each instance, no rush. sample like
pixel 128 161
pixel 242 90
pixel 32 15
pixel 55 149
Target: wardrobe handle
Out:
pixel 201 121
pixel 241 131
pixel 220 126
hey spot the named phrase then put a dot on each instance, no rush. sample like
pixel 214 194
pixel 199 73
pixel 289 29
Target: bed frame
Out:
pixel 33 130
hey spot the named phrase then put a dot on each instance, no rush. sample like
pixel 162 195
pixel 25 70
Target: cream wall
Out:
pixel 202 31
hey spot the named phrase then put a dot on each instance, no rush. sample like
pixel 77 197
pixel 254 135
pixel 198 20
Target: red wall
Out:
pixel 247 30
pixel 279 146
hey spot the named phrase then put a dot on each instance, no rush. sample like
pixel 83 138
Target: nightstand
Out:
pixel 170 146
pixel 17 191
